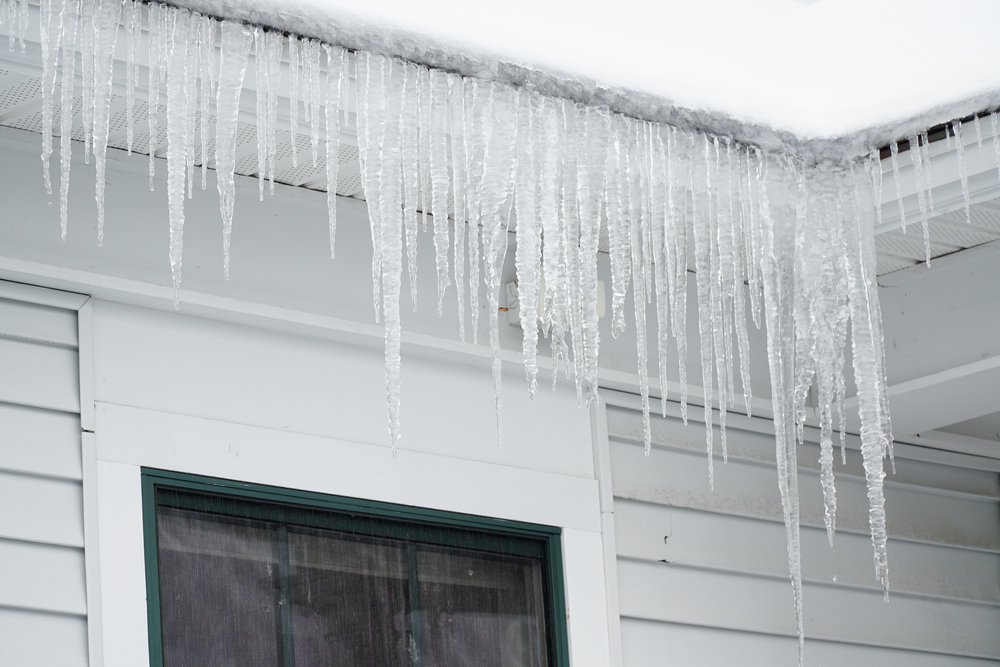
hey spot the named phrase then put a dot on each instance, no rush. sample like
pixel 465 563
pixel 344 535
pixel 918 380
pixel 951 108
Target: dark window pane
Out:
pixel 480 609
pixel 218 591
pixel 349 600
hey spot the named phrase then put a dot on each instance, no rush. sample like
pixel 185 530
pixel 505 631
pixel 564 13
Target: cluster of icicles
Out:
pixel 790 242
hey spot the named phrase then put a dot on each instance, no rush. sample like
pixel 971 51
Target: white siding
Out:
pixel 43 602
pixel 703 575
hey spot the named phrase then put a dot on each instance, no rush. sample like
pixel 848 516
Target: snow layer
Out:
pixel 827 77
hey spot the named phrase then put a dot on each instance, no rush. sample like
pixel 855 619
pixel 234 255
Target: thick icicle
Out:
pixel 310 61
pixel 51 20
pixel 108 15
pixel 273 41
pixel 389 202
pixel 155 24
pixel 923 186
pixel 234 51
pixel 334 80
pixel 617 234
pixel 260 75
pixel 963 170
pixel 456 87
pixel 477 135
pixel 894 152
pixel 191 98
pixel 294 70
pixel 179 21
pixel 702 194
pixel 598 127
pixel 66 106
pixel 206 57
pixel 129 17
pixel 438 176
pixel 88 28
pixel 528 253
pixel 411 177
pixel 498 171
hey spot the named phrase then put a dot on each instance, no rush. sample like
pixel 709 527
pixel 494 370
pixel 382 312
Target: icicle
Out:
pixel 617 234
pixel 456 91
pixel 438 176
pixel 155 23
pixel 71 21
pixel 389 202
pixel 177 105
pixel 894 150
pixel 191 97
pixel 310 59
pixel 334 81
pixel 260 74
pixel 528 254
pixel 372 118
pixel 272 42
pixel 411 177
pixel 88 27
pixel 477 135
pixel 423 120
pixel 676 238
pixel 661 273
pixel 207 60
pixel 963 171
pixel 740 263
pixel 234 51
pixel 702 193
pixel 106 29
pixel 50 28
pixel 996 138
pixel 925 159
pixel 293 95
pixel 598 127
pixel 922 187
pixel 134 54
pixel 979 134
pixel 130 19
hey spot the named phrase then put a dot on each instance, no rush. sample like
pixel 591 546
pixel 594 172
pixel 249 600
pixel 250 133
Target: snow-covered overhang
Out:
pixel 827 78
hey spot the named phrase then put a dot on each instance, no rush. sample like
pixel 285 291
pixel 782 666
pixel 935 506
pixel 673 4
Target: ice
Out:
pixel 963 171
pixel 617 236
pixel 335 63
pixel 51 22
pixel 456 85
pixel 156 34
pixel 923 187
pixel 108 14
pixel 310 62
pixel 294 76
pixel 88 28
pixel 411 177
pixel 178 21
pixel 702 194
pixel 234 51
pixel 206 57
pixel 996 138
pixel 437 133
pixel 476 134
pixel 527 257
pixel 71 22
pixel 894 151
pixel 979 133
pixel 632 209
pixel 129 17
pixel 273 41
pixel 260 75
pixel 875 166
pixel 193 67
pixel 925 160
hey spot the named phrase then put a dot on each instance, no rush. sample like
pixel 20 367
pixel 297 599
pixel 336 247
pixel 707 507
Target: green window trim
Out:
pixel 370 517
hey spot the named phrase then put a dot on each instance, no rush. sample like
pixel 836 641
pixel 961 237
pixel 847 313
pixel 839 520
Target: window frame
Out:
pixel 414 523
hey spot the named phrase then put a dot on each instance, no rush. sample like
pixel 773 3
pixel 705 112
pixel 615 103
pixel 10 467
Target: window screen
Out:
pixel 244 580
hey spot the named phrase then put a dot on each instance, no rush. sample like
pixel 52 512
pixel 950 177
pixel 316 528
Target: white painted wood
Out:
pixel 187 365
pixel 39 375
pixel 679 594
pixel 266 456
pixel 37 639
pixel 749 489
pixel 694 538
pixel 586 605
pixel 92 551
pixel 702 575
pixel 39 509
pixel 85 329
pixel 653 644
pixel 43 577
pixel 41 442
pixel 602 467
pixel 41 295
pixel 125 637
pixel 34 322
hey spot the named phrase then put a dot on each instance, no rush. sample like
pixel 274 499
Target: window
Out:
pixel 242 575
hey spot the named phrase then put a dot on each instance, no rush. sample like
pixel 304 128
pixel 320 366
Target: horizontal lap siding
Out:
pixel 43 602
pixel 703 575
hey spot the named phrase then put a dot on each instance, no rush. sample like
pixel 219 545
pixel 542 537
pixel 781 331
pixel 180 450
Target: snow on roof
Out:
pixel 803 71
